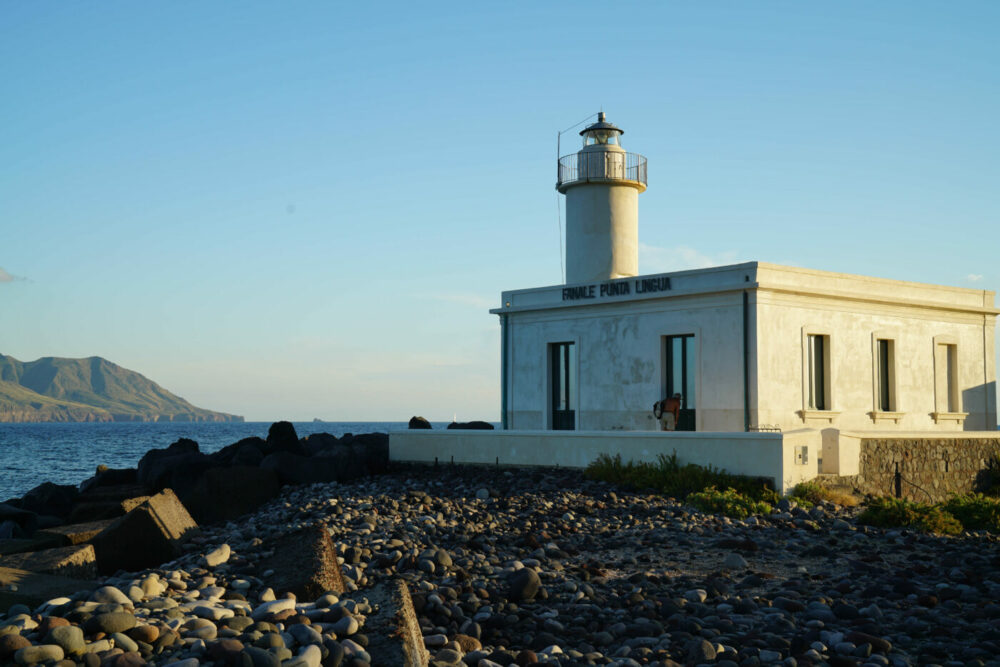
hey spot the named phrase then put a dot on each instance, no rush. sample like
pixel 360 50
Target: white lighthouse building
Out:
pixel 747 346
pixel 602 184
pixel 782 372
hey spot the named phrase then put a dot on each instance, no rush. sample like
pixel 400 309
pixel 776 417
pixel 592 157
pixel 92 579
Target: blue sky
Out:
pixel 298 210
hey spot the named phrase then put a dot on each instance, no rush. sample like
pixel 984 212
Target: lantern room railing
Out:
pixel 601 166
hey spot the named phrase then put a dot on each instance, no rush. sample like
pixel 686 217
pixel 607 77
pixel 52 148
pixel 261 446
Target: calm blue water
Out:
pixel 69 453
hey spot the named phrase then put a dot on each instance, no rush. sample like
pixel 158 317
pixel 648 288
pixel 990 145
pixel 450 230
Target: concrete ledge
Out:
pixel 773 455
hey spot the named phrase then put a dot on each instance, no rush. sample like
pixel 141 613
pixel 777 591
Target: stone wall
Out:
pixel 929 469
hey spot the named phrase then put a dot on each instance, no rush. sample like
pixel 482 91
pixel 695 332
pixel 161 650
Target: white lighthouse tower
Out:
pixel 602 184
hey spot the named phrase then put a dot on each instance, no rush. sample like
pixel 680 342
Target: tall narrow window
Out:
pixel 885 354
pixel 562 361
pixel 681 366
pixel 817 345
pixel 946 377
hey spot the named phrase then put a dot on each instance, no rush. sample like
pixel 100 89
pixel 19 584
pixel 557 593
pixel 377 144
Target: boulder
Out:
pixel 297 469
pixel 419 422
pixel 156 464
pixel 373 451
pixel 50 499
pixel 473 426
pixel 304 562
pixel 248 452
pixel 109 477
pixel 149 535
pixel 222 494
pixel 16 522
pixel 318 442
pixel 281 437
pixel 76 561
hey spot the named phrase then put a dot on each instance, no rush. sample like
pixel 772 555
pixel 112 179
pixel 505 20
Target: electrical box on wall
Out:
pixel 801 455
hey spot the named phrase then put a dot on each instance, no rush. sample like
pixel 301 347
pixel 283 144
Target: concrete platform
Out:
pixel 786 458
pixel 77 533
pixel 78 561
pixel 20 545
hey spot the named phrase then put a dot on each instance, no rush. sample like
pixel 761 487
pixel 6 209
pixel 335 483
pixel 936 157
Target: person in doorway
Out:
pixel 667 412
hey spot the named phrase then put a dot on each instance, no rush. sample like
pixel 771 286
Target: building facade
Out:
pixel 747 347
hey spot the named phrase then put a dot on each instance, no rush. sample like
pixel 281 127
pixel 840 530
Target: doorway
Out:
pixel 681 373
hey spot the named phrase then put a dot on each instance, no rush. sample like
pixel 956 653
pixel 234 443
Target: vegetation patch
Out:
pixel 975 511
pixel 730 502
pixel 900 513
pixel 669 477
pixel 808 494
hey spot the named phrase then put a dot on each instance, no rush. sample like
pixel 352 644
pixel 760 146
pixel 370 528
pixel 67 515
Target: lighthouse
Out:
pixel 602 183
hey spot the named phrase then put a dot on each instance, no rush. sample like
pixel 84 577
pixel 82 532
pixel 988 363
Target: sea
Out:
pixel 68 453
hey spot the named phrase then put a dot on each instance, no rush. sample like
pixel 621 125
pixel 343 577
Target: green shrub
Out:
pixel 669 477
pixel 900 513
pixel 988 479
pixel 730 502
pixel 807 494
pixel 975 511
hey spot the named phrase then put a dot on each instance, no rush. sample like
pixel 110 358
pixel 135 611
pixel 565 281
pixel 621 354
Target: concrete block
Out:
pixel 147 536
pixel 20 545
pixel 77 533
pixel 304 563
pixel 108 502
pixel 78 561
pixel 394 636
pixel 33 588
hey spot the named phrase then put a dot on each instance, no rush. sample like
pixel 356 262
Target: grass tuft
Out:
pixel 730 502
pixel 811 493
pixel 669 477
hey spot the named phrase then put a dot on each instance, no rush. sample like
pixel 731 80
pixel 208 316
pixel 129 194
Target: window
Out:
pixel 885 377
pixel 946 377
pixel 681 373
pixel 562 364
pixel 817 349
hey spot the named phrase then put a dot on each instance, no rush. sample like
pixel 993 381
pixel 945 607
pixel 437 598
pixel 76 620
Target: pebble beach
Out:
pixel 540 566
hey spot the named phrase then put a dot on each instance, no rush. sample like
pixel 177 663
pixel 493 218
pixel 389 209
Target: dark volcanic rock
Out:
pixel 523 584
pixel 50 499
pixel 419 422
pixel 473 425
pixel 227 493
pixel 281 437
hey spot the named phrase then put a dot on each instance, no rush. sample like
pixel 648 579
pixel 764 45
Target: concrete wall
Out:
pixel 930 467
pixel 620 367
pixel 620 362
pixel 787 458
pixel 912 316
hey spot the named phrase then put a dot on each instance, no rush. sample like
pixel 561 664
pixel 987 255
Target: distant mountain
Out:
pixel 91 389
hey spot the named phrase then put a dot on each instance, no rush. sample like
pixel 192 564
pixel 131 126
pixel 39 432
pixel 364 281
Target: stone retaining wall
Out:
pixel 930 469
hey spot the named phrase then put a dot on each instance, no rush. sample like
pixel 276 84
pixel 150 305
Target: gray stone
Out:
pixel 523 584
pixel 69 637
pixel 217 556
pixel 109 623
pixel 346 626
pixel 32 655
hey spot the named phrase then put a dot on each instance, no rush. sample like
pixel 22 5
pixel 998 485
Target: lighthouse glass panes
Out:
pixel 563 385
pixel 602 137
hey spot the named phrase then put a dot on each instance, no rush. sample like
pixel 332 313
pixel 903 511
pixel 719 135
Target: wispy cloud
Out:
pixel 8 278
pixel 655 259
pixel 974 277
